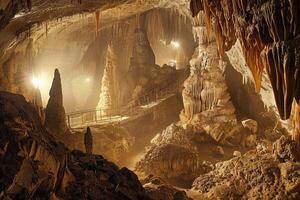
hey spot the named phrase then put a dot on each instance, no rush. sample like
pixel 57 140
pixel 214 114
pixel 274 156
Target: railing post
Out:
pixel 96 115
pixel 69 124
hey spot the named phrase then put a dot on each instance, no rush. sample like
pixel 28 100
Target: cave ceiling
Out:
pixel 67 18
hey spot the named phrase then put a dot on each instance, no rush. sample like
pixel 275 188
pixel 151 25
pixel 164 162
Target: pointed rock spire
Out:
pixel 55 119
pixel 88 141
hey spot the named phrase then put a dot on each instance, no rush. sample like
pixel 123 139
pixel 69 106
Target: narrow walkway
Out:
pixel 136 108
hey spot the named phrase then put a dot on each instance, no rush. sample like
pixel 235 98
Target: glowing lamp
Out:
pixel 36 82
pixel 175 44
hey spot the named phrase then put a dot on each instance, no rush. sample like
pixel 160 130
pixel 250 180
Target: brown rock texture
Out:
pixel 88 141
pixel 34 166
pixel 269 35
pixel 55 119
pixel 172 154
pixel 255 175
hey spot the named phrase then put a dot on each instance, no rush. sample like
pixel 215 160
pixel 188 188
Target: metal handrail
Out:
pixel 132 107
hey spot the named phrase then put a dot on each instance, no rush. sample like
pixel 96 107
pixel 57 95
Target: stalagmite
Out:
pixel 55 119
pixel 269 35
pixel 88 141
pixel 107 102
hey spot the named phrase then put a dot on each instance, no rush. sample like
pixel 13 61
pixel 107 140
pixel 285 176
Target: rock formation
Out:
pixel 172 154
pixel 88 141
pixel 268 32
pixel 255 175
pixel 206 100
pixel 157 189
pixel 55 119
pixel 34 166
pixel 38 103
pixel 112 142
pixel 107 102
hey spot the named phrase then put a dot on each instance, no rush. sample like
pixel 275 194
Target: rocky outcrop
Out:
pixel 112 142
pixel 173 154
pixel 207 103
pixel 158 189
pixel 34 166
pixel 269 35
pixel 286 150
pixel 255 174
pixel 143 75
pixel 55 118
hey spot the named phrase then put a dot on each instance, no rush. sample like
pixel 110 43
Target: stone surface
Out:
pixel 157 189
pixel 252 176
pixel 34 165
pixel 286 150
pixel 237 154
pixel 251 125
pixel 173 154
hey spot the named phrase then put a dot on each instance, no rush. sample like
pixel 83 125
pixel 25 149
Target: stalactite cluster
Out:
pixel 269 35
pixel 166 24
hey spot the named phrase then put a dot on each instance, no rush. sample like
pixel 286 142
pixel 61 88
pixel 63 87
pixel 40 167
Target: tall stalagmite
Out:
pixel 88 141
pixel 55 119
pixel 206 100
pixel 107 102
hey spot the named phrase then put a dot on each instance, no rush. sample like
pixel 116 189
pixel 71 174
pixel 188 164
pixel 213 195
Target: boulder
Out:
pixel 254 175
pixel 286 149
pixel 251 125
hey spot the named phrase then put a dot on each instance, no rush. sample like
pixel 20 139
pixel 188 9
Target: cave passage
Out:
pixel 149 99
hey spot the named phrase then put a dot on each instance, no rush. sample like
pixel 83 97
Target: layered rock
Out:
pixel 173 154
pixel 269 35
pixel 112 142
pixel 206 100
pixel 55 118
pixel 254 175
pixel 158 189
pixel 34 166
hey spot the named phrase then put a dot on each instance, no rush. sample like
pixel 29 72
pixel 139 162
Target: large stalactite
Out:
pixel 269 34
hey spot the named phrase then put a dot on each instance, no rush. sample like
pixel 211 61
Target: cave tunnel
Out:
pixel 149 99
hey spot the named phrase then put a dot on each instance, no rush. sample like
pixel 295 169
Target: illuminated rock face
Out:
pixel 271 175
pixel 206 100
pixel 55 119
pixel 269 35
pixel 107 102
pixel 173 154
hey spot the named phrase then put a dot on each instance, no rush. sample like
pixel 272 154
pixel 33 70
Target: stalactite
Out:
pixel 97 17
pixel 268 32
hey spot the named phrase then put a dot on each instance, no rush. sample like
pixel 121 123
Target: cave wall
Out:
pixel 268 32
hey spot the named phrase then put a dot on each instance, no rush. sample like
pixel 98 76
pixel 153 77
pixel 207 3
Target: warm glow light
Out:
pixel 175 44
pixel 173 63
pixel 36 82
pixel 87 80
